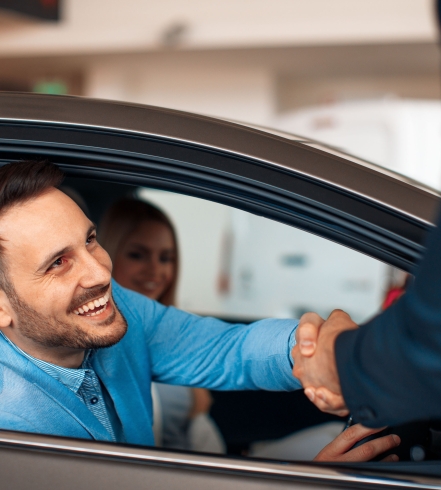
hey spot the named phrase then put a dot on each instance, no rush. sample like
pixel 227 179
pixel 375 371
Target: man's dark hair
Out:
pixel 20 182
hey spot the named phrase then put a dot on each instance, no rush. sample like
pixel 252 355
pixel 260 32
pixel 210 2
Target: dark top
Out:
pixel 390 368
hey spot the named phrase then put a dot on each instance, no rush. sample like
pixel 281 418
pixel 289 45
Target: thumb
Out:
pixel 307 333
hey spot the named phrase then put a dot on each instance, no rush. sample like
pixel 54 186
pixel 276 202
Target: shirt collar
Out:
pixel 71 378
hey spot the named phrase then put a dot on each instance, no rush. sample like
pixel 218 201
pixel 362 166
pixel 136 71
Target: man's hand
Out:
pixel 340 449
pixel 314 359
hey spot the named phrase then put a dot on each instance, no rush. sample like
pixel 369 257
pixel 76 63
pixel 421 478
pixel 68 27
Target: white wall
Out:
pixel 278 270
pixel 401 135
pixel 94 26
pixel 235 92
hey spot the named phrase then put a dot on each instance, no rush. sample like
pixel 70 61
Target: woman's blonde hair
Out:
pixel 122 219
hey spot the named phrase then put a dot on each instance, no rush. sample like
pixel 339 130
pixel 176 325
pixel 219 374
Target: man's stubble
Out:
pixel 50 332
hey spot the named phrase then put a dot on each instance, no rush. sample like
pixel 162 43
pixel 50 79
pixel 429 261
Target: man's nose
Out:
pixel 95 270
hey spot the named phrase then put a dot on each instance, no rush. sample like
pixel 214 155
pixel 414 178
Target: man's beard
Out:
pixel 50 332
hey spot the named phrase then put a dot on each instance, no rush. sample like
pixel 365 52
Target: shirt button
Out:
pixel 94 400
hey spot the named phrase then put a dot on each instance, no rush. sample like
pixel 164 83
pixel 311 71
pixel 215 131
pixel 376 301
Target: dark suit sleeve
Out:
pixel 390 368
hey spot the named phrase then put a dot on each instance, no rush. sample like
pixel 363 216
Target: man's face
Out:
pixel 60 277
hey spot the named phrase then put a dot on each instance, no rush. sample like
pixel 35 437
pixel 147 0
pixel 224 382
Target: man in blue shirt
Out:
pixel 78 352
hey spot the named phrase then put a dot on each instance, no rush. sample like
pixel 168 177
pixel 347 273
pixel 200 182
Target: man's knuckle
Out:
pixel 389 443
pixel 348 434
pixel 337 312
pixel 304 317
pixel 305 327
pixel 298 371
pixel 367 450
pixel 334 403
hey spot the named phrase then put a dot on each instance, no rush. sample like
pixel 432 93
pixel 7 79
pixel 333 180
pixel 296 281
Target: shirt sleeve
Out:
pixel 390 368
pixel 200 351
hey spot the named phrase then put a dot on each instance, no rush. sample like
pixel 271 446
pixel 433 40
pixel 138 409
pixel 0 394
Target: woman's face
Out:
pixel 146 261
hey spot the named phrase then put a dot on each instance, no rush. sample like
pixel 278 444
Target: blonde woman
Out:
pixel 142 244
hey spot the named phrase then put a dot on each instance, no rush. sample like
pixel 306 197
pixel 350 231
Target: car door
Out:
pixel 280 177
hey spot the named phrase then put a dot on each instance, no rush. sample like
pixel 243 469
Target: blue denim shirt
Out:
pixel 84 382
pixel 161 344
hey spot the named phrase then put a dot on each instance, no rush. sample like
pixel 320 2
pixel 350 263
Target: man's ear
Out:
pixel 5 310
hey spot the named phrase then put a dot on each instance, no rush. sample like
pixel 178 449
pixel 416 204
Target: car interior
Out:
pixel 243 276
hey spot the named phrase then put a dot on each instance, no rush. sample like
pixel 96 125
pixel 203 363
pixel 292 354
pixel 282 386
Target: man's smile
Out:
pixel 93 307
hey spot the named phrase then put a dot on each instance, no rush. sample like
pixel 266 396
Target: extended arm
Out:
pixel 388 370
pixel 194 351
pixel 189 350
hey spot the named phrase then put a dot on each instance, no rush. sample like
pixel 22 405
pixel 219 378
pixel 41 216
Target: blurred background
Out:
pixel 363 75
pixel 360 75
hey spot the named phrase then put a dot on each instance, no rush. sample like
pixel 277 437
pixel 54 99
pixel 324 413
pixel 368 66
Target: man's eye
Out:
pixel 91 238
pixel 57 263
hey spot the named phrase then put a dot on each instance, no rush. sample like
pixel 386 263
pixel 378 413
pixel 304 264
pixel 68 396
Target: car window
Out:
pixel 239 265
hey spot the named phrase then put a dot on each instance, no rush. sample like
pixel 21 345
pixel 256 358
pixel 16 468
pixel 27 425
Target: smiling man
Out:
pixel 77 351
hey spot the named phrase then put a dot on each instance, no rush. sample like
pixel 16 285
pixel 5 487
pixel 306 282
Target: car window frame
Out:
pixel 367 225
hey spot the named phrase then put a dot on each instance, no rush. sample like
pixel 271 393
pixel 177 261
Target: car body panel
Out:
pixel 50 459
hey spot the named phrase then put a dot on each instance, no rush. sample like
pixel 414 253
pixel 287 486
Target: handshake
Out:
pixel 314 359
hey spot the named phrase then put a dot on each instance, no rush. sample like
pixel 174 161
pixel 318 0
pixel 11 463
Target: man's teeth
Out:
pixel 90 309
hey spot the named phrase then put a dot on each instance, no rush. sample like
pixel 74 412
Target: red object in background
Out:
pixel 49 3
pixel 396 290
pixel 391 296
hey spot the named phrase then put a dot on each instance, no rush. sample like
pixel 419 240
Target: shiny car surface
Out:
pixel 288 179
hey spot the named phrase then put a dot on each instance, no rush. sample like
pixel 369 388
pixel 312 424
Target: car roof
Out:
pixel 307 157
pixel 274 174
